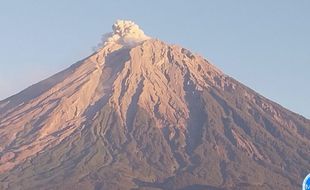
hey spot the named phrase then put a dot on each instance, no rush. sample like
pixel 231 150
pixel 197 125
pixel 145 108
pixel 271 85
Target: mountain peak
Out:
pixel 148 115
pixel 125 33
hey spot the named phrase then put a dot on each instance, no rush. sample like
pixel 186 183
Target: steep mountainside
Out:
pixel 142 114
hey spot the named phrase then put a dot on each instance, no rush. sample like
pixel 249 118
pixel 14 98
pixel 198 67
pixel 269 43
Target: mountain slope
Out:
pixel 141 114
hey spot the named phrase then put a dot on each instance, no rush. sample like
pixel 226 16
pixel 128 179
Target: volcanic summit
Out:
pixel 142 114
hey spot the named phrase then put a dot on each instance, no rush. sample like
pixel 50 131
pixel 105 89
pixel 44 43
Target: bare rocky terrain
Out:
pixel 142 114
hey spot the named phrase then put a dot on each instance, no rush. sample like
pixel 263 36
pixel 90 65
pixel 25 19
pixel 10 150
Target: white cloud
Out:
pixel 125 33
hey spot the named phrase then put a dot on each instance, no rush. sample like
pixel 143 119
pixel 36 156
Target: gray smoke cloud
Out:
pixel 125 33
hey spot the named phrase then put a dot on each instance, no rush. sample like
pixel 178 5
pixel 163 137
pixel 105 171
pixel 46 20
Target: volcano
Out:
pixel 142 114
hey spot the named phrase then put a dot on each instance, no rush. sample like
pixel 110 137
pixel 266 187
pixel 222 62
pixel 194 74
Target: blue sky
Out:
pixel 263 44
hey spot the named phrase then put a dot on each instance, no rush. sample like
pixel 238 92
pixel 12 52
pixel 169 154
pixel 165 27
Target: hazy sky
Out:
pixel 264 44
